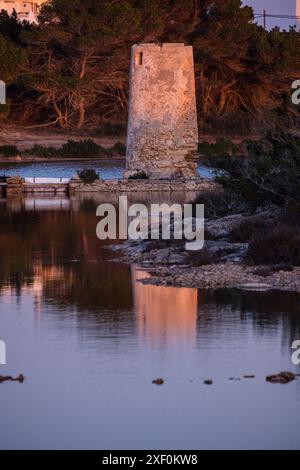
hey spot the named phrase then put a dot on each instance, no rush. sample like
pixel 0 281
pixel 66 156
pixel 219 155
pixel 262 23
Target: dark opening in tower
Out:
pixel 139 58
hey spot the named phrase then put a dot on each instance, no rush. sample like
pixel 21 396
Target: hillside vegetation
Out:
pixel 71 70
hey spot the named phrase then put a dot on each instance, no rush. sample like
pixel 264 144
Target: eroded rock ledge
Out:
pixel 144 185
pixel 171 265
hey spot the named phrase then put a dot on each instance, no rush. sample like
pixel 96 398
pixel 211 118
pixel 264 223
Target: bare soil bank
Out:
pixel 25 138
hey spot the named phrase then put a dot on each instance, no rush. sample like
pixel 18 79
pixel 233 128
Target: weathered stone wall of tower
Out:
pixel 162 132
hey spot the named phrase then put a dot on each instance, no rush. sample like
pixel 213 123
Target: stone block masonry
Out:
pixel 162 135
pixel 76 185
pixel 17 185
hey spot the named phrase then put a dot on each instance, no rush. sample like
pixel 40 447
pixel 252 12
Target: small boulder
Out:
pixel 9 378
pixel 158 381
pixel 281 378
pixel 5 378
pixel 208 382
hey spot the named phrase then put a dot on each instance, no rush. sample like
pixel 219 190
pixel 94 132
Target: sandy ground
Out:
pixel 25 139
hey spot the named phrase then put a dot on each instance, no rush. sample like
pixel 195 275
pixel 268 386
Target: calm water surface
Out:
pixel 112 168
pixel 89 337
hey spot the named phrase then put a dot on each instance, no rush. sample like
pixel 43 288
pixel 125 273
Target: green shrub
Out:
pixel 222 147
pixel 88 175
pixel 249 228
pixel 119 149
pixel 139 175
pixel 9 150
pixel 219 204
pixel 270 175
pixel 104 152
pixel 86 148
pixel 279 245
pixel 44 152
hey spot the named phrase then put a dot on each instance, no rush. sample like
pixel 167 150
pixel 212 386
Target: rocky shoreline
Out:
pixel 171 265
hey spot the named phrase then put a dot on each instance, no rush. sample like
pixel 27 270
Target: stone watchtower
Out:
pixel 162 134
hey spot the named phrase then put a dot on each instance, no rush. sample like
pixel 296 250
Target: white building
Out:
pixel 25 10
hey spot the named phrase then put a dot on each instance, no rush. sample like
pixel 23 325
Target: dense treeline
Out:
pixel 71 70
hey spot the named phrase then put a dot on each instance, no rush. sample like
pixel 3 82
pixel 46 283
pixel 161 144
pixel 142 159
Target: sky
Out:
pixel 276 7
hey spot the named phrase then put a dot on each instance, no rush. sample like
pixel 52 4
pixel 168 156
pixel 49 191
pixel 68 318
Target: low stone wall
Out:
pixel 16 185
pixel 76 185
pixel 45 187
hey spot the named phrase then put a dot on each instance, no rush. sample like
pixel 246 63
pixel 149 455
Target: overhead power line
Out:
pixel 266 15
pixel 261 15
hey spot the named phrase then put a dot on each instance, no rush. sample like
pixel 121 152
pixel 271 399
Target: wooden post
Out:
pixel 265 19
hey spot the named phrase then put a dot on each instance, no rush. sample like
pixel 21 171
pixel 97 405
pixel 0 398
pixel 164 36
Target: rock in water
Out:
pixel 281 378
pixel 9 378
pixel 158 381
pixel 5 378
pixel 208 382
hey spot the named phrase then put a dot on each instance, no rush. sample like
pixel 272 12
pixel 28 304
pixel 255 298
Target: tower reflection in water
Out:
pixel 164 314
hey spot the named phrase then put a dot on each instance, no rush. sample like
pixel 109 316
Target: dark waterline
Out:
pixel 90 338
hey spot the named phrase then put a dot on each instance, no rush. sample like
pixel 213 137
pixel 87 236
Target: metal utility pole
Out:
pixel 265 19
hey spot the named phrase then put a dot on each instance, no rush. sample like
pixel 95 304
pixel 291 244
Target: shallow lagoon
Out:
pixel 89 337
pixel 107 168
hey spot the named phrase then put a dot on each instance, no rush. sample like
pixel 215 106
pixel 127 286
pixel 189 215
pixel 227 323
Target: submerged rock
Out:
pixel 281 378
pixel 9 378
pixel 158 381
pixel 208 382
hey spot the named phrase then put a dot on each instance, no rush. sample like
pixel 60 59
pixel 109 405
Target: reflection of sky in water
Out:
pixel 90 338
pixel 106 168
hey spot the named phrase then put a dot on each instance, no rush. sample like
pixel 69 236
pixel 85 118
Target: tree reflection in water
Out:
pixel 49 246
